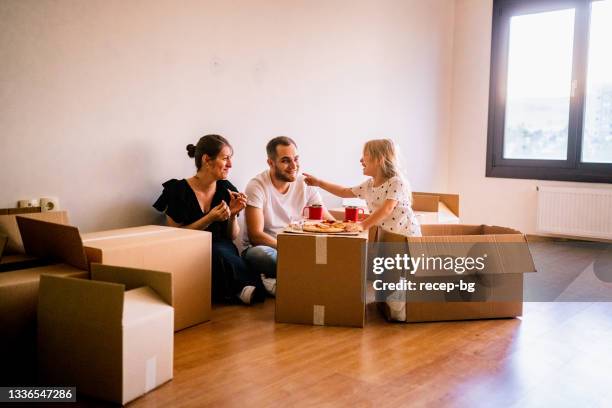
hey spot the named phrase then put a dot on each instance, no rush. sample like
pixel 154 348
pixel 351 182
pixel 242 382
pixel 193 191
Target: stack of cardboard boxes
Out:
pixel 135 312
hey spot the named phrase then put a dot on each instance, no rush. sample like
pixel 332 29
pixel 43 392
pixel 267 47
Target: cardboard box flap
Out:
pixel 450 200
pixel 425 202
pixel 450 229
pixel 386 236
pixel 140 304
pixel 71 299
pixel 132 278
pixel 50 240
pixel 80 335
pixel 495 230
pixel 516 257
pixel 8 225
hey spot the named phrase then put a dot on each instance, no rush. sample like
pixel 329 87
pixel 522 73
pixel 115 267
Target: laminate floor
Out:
pixel 558 354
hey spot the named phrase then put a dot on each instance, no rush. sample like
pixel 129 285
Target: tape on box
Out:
pixel 318 315
pixel 321 250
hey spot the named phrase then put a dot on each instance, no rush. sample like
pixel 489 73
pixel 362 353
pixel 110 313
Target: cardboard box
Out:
pixel 436 208
pixel 111 337
pixel 183 252
pixel 45 242
pixel 18 304
pixel 8 226
pixel 321 279
pixel 500 282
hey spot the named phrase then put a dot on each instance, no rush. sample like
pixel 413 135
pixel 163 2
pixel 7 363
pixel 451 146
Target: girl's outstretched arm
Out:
pixel 377 216
pixel 334 189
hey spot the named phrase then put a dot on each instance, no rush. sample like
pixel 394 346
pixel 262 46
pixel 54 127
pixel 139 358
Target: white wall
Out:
pixel 507 202
pixel 98 98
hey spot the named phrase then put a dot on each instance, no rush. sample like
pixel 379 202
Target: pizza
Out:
pixel 325 227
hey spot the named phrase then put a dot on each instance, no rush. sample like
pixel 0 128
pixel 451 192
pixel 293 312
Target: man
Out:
pixel 276 197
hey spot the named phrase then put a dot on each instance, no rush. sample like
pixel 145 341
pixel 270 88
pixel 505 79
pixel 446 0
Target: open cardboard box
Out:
pixel 111 336
pixel 321 279
pixel 499 286
pixel 19 295
pixel 184 253
pixel 436 208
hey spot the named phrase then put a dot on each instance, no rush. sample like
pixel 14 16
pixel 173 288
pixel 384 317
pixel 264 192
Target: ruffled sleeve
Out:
pixel 172 201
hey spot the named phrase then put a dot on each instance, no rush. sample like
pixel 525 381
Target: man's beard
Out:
pixel 279 175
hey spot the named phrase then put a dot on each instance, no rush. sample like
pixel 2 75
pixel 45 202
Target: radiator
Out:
pixel 579 212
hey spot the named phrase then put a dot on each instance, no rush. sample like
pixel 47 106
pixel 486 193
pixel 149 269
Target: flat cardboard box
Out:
pixel 321 279
pixel 185 253
pixel 502 278
pixel 111 336
pixel 18 304
pixel 8 226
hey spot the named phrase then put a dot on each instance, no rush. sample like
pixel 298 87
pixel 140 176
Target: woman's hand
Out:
pixel 311 180
pixel 219 213
pixel 238 202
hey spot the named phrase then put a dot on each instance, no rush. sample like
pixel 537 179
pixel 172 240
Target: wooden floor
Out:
pixel 558 354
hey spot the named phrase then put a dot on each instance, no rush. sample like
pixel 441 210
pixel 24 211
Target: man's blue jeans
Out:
pixel 261 259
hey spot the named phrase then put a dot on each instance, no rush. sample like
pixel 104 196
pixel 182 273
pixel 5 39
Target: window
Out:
pixel 550 98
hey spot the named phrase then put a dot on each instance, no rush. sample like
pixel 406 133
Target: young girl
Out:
pixel 389 200
pixel 386 193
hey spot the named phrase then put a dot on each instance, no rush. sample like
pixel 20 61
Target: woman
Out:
pixel 207 201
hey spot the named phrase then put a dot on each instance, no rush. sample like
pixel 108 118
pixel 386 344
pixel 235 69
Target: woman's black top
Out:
pixel 180 203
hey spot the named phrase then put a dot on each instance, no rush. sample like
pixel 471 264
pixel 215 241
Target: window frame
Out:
pixel 571 169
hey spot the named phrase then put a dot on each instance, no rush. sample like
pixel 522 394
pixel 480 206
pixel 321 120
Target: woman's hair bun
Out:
pixel 191 149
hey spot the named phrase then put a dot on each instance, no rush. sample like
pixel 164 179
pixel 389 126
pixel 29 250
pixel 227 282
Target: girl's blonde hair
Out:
pixel 384 150
pixel 388 153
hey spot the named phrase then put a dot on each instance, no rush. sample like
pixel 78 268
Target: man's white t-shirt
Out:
pixel 279 210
